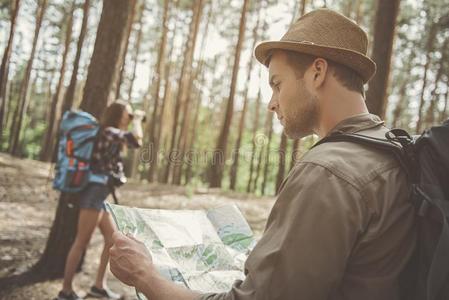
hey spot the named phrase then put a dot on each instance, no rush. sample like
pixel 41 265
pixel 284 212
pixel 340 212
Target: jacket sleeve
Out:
pixel 310 232
pixel 115 135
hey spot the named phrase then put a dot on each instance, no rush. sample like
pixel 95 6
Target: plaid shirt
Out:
pixel 106 157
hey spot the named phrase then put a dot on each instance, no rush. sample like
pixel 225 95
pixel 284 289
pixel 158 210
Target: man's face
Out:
pixel 294 105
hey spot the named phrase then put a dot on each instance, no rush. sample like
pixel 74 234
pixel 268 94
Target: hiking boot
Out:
pixel 103 293
pixel 68 296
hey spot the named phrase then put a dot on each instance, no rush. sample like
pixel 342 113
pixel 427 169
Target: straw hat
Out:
pixel 327 34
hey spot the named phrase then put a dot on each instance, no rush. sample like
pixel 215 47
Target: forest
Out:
pixel 189 66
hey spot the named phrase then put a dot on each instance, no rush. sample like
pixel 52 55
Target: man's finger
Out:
pixel 116 236
pixel 130 236
pixel 112 251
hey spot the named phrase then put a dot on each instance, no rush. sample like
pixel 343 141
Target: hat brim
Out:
pixel 360 63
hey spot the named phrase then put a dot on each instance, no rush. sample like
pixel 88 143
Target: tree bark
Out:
pixel 16 128
pixel 429 50
pixel 385 24
pixel 129 27
pixel 358 12
pixel 165 100
pixel 70 92
pixel 109 47
pixel 4 68
pixel 134 156
pixel 100 86
pixel 403 100
pixel 160 64
pixel 183 89
pixel 186 98
pixel 55 112
pixel 219 155
pixel 295 153
pixel 444 113
pixel 302 8
pixel 267 155
pixel 281 169
pixel 433 108
pixel 258 169
pixel 249 187
pixel 136 51
pixel 199 93
pixel 236 153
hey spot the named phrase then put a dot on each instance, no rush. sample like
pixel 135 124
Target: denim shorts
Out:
pixel 93 196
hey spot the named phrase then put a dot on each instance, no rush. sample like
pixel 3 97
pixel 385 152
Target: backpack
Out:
pixel 77 135
pixel 425 159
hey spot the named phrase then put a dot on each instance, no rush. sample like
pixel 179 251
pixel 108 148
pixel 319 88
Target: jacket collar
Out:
pixel 357 123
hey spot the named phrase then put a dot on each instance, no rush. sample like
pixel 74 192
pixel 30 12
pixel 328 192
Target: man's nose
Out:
pixel 272 105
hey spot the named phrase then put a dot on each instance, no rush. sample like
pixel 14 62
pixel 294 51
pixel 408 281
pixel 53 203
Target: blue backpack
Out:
pixel 77 135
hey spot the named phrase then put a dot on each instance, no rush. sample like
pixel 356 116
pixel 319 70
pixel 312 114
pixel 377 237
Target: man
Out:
pixel 342 226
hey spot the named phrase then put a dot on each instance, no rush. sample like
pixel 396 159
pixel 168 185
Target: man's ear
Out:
pixel 320 68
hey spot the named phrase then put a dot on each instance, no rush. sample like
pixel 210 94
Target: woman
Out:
pixel 112 139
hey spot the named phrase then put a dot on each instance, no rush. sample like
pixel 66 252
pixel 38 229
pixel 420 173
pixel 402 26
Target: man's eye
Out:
pixel 276 85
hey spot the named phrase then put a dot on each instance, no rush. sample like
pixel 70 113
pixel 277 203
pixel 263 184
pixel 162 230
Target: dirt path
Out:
pixel 27 207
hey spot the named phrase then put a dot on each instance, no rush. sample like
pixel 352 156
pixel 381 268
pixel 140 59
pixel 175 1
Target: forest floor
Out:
pixel 28 205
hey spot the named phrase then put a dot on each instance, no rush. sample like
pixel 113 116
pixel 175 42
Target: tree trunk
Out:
pixel 199 93
pixel 177 107
pixel 55 112
pixel 385 24
pixel 161 57
pixel 184 85
pixel 403 100
pixel 129 27
pixel 100 86
pixel 295 153
pixel 267 155
pixel 186 99
pixel 236 153
pixel 253 142
pixel 4 68
pixel 134 156
pixel 109 48
pixel 70 92
pixel 188 173
pixel 281 169
pixel 11 90
pixel 165 105
pixel 358 12
pixel 136 51
pixel 219 155
pixel 302 8
pixel 444 113
pixel 23 99
pixel 429 53
pixel 433 108
pixel 48 97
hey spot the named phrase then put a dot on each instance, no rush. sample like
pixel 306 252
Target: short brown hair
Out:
pixel 113 114
pixel 346 76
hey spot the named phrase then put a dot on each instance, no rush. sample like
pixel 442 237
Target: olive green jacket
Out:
pixel 341 228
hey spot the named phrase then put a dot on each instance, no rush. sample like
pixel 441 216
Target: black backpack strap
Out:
pixel 382 144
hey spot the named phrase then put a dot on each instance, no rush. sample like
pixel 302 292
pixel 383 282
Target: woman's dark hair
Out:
pixel 113 114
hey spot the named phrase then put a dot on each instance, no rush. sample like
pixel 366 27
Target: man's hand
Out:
pixel 132 264
pixel 129 259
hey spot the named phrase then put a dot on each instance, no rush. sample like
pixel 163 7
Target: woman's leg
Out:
pixel 107 227
pixel 87 221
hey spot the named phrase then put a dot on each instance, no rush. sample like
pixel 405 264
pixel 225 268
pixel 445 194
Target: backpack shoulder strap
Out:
pixel 387 144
